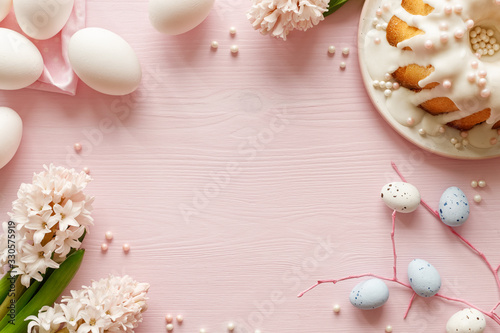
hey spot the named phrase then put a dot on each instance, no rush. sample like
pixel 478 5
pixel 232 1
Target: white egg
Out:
pixel 11 131
pixel 466 321
pixel 42 19
pixel 400 196
pixel 104 61
pixel 5 6
pixel 21 63
pixel 174 17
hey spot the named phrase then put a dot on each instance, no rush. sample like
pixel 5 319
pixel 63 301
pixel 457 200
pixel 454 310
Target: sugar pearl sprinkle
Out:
pixel 234 49
pixel 170 327
pixel 214 45
pixel 78 147
pixel 481 183
pixel 108 235
pixel 126 248
pixel 336 308
pixel 230 326
pixel 232 31
pixel 473 184
pixel 388 329
pixel 169 318
pixel 180 319
pixel 331 49
pixel 483 41
pixel 386 85
pixel 104 247
pixel 477 198
pixel 342 65
pixel 345 51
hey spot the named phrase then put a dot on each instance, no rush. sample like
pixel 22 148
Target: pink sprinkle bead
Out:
pixel 410 121
pixel 378 12
pixel 469 24
pixel 104 247
pixel 482 73
pixel 474 64
pixel 428 44
pixel 481 82
pixel 78 147
pixel 448 9
pixel 459 33
pixel 458 9
pixel 180 319
pixel 169 318
pixel 109 235
pixel 471 77
pixel 377 40
pixel 447 84
pixel 395 86
pixel 444 38
pixel 485 93
pixel 126 248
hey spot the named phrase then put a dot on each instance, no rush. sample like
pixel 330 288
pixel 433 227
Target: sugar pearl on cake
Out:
pixel 170 327
pixel 477 30
pixel 388 329
pixel 448 9
pixel 473 183
pixel 375 21
pixel 386 6
pixel 458 145
pixel 485 93
pixel 388 85
pixel 381 84
pixel 458 9
pixel 471 77
pixel 465 142
pixel 447 84
pixel 108 235
pixel 377 40
pixel 428 44
pixel 169 318
pixel 453 141
pixel 491 52
pixel 104 247
pixel 78 147
pixel 459 33
pixel 180 319
pixel 493 141
pixel 345 51
pixel 477 198
pixel 481 82
pixel 387 76
pixel 441 129
pixel 482 73
pixel 214 44
pixel 473 34
pixel 230 326
pixel 336 308
pixel 384 26
pixel 378 12
pixel 444 38
pixel 474 64
pixel 342 65
pixel 126 248
pixel 422 132
pixel 489 32
pixel 232 30
pixel 395 86
pixel 410 121
pixel 234 49
pixel 469 24
pixel 331 49
pixel 481 183
pixel 443 26
pixel 464 134
pixel 375 84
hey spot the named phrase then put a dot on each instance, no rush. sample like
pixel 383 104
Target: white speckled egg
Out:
pixel 424 278
pixel 453 207
pixel 466 321
pixel 400 196
pixel 174 17
pixel 11 131
pixel 104 61
pixel 5 6
pixel 21 63
pixel 369 294
pixel 42 19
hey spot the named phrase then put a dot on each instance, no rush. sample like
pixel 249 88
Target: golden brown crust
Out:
pixel 417 7
pixel 496 125
pixel 409 76
pixel 439 105
pixel 398 31
pixel 469 122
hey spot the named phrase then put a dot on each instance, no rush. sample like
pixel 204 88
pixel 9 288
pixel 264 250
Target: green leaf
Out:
pixel 48 293
pixel 4 286
pixel 333 6
pixel 22 301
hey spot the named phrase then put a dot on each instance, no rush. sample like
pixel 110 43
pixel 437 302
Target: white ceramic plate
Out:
pixel 440 144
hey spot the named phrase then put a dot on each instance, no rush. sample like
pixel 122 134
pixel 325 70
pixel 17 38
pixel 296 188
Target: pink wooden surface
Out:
pixel 227 174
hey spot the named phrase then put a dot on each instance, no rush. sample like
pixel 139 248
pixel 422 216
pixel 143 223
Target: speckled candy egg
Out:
pixel 424 278
pixel 400 196
pixel 369 294
pixel 466 321
pixel 453 207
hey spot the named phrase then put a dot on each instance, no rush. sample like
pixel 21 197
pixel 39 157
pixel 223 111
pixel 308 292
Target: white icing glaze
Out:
pixel 452 58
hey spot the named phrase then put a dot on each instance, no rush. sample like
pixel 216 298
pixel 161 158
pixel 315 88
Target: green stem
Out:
pixel 333 6
pixel 21 303
pixel 4 285
pixel 12 296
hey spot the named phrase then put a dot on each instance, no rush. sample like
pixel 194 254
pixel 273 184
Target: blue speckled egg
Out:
pixel 424 278
pixel 453 207
pixel 369 294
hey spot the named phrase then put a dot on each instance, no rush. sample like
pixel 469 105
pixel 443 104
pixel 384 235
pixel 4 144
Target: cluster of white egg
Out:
pixel 100 58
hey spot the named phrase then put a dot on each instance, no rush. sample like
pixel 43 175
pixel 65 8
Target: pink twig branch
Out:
pixel 409 305
pixel 394 244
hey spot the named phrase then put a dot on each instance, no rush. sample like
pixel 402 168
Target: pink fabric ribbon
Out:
pixel 57 74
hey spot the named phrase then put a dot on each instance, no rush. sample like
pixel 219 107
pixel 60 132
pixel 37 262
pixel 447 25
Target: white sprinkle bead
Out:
pixel 410 121
pixel 458 145
pixel 381 84
pixel 477 198
pixel 180 319
pixel 214 44
pixel 108 235
pixel 443 26
pixel 453 141
pixel 482 73
pixel 375 21
pixel 473 34
pixel 388 329
pixel 331 49
pixel 481 82
pixel 395 86
pixel 386 6
pixel 168 318
pixel 477 30
pixel 473 183
pixel 375 84
pixel 489 32
pixel 345 51
pixel 202 330
pixel 387 92
pixel 422 132
pixel 459 33
pixel 388 85
pixel 469 24
pixel 234 49
pixel 447 84
pixel 377 40
pixel 230 326
pixel 342 65
pixel 474 64
pixel 458 9
pixel 444 38
pixel 485 93
pixel 428 44
pixel 336 308
pixel 481 183
pixel 387 76
pixel 232 30
pixel 448 9
pixel 464 134
pixel 378 12
pixel 170 327
pixel 442 129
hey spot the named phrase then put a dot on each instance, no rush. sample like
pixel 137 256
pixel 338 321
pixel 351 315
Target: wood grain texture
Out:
pixel 239 181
